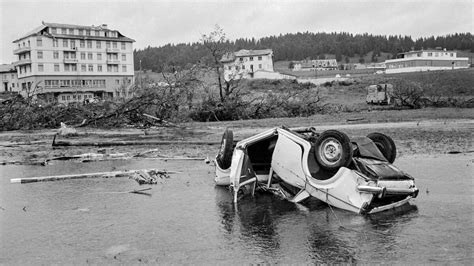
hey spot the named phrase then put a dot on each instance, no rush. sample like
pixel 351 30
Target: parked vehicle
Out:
pixel 351 174
pixel 379 94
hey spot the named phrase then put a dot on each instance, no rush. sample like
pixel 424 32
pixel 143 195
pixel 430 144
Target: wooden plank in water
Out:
pixel 124 173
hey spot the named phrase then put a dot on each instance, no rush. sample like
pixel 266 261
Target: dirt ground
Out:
pixel 425 131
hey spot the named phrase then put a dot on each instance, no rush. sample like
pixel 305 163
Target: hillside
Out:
pixel 344 47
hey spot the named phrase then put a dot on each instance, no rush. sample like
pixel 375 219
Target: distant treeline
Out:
pixel 298 46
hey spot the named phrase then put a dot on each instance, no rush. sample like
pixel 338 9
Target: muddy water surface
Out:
pixel 189 220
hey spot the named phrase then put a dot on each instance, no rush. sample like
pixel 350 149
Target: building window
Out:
pixel 99 68
pixel 99 56
pixel 55 43
pixel 251 58
pixel 83 56
pixel 40 54
pixel 81 32
pixel 83 68
pixel 88 32
pixel 56 67
pixel 82 43
pixel 63 31
pixel 430 54
pixel 91 68
pixel 71 31
pixel 436 54
pixel 124 57
pixel 114 44
pixel 53 30
pixel 73 68
pixel 40 68
pixel 124 68
pixel 73 44
pixel 115 68
pixel 66 67
pixel 451 54
pixel 243 66
pixel 89 56
pixel 97 33
pixel 39 42
pixel 107 44
pixel 259 58
pixel 55 55
pixel 117 81
pixel 98 44
pixel 73 55
pixel 64 43
pixel 66 55
pixel 260 66
pixel 89 44
pixel 241 59
pixel 123 45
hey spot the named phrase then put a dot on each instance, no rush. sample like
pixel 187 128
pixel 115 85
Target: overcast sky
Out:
pixel 158 22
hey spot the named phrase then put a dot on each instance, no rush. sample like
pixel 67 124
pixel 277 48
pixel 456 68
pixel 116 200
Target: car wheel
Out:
pixel 333 150
pixel 385 144
pixel 224 157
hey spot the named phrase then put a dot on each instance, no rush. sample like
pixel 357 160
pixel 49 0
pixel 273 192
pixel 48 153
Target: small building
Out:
pixel 426 60
pixel 9 78
pixel 317 64
pixel 245 63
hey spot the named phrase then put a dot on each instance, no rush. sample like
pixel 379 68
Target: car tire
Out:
pixel 333 150
pixel 224 157
pixel 385 144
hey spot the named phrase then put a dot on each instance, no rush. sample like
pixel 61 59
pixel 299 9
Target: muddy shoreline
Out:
pixel 431 136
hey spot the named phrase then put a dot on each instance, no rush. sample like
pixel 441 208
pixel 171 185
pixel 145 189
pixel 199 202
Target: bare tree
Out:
pixel 216 44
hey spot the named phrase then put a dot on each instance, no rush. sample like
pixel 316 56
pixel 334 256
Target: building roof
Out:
pixel 7 68
pixel 244 52
pixel 230 57
pixel 45 25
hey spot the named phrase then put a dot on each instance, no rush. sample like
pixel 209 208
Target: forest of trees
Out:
pixel 298 46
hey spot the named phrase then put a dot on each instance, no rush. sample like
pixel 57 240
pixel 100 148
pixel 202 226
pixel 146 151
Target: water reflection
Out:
pixel 314 232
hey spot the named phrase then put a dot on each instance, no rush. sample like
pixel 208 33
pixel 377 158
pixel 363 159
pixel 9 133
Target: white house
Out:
pixel 246 63
pixel 425 60
pixel 9 78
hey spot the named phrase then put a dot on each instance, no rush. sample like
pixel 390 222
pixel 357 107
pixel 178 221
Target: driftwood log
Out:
pixel 125 173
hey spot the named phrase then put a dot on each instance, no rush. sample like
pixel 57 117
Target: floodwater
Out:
pixel 189 220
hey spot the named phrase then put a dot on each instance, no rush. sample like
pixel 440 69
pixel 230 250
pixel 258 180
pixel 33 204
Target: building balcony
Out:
pixel 22 50
pixel 69 49
pixel 113 62
pixel 112 50
pixel 70 61
pixel 22 62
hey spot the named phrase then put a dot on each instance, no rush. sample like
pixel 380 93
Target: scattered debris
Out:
pixel 355 119
pixel 150 177
pixel 161 121
pixel 64 130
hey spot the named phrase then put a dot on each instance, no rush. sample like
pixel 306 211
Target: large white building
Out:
pixel 245 63
pixel 71 63
pixel 425 60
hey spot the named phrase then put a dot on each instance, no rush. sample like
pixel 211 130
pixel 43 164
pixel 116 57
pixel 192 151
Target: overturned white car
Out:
pixel 352 174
